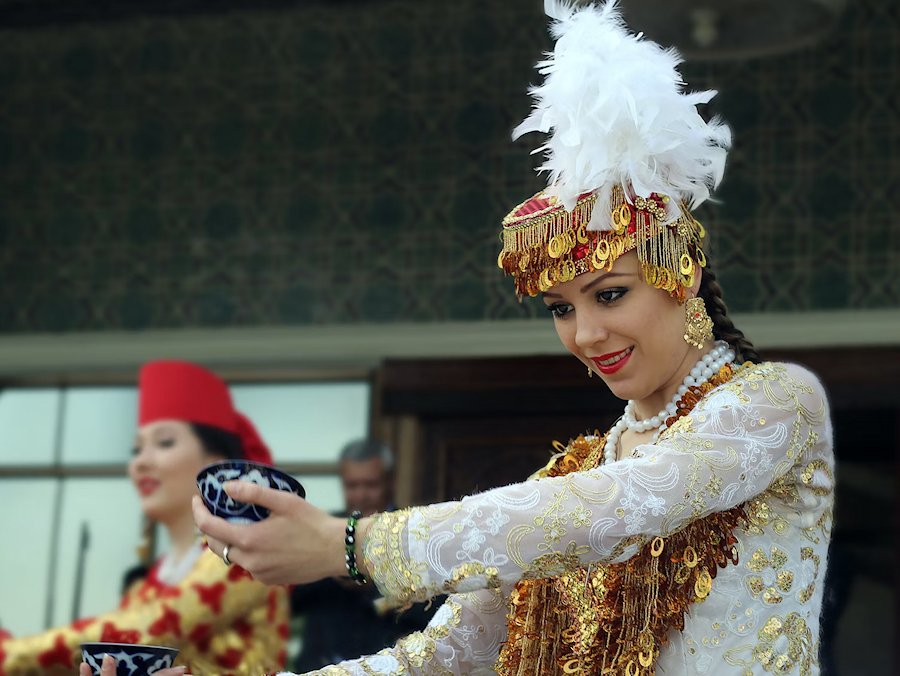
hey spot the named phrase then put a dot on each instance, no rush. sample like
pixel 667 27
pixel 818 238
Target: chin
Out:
pixel 154 508
pixel 624 390
pixel 151 511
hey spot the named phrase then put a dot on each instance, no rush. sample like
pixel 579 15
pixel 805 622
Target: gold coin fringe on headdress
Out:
pixel 543 244
pixel 613 619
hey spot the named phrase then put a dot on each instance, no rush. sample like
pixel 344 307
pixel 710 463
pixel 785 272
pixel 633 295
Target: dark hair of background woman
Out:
pixel 217 441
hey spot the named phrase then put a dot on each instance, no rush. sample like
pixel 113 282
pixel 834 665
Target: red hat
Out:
pixel 180 390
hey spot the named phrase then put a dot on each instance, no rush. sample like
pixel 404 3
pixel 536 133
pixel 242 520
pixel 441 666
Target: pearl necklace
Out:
pixel 706 367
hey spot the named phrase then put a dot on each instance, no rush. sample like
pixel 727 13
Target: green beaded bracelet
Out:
pixel 350 547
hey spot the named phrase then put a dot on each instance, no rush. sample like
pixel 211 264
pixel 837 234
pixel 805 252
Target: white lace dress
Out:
pixel 764 439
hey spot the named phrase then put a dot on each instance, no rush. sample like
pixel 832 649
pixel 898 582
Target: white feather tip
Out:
pixel 613 106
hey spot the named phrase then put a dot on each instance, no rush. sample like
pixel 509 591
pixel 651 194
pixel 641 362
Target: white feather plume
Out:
pixel 613 105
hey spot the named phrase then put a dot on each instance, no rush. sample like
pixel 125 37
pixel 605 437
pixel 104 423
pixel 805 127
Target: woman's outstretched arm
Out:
pixel 462 639
pixel 768 424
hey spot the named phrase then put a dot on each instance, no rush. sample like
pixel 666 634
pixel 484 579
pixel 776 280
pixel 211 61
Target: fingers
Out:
pixel 271 498
pixel 218 548
pixel 212 526
pixel 108 667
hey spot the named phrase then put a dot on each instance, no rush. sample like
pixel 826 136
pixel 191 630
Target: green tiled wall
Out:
pixel 347 163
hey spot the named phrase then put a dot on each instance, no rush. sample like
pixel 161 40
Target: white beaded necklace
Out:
pixel 707 366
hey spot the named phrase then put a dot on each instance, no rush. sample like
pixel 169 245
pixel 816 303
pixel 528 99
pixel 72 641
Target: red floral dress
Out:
pixel 221 620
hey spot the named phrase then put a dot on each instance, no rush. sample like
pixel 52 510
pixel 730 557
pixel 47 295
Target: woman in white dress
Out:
pixel 691 537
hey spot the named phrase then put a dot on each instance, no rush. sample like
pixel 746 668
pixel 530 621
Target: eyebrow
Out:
pixel 590 285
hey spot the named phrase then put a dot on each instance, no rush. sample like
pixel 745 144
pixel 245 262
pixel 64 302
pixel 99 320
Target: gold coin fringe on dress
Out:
pixel 551 246
pixel 613 619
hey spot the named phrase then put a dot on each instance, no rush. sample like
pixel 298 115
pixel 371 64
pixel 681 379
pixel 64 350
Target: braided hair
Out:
pixel 723 328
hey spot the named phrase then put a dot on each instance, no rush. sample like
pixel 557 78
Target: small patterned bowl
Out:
pixel 211 479
pixel 131 660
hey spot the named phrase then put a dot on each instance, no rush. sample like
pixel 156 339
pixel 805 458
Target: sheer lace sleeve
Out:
pixel 463 637
pixel 769 423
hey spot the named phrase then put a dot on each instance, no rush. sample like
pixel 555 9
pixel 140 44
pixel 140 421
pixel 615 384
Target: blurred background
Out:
pixel 306 196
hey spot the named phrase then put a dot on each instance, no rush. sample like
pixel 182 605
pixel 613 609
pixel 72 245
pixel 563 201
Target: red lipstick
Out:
pixel 622 357
pixel 146 486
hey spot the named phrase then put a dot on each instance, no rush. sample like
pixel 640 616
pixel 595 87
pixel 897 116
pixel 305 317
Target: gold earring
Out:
pixel 590 372
pixel 144 549
pixel 697 324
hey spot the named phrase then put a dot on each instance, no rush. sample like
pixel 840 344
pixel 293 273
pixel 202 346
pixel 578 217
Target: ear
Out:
pixel 694 288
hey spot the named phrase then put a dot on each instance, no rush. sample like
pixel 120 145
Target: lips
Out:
pixel 613 361
pixel 146 486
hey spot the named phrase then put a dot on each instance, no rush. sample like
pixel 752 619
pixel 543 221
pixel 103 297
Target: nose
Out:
pixel 138 461
pixel 589 330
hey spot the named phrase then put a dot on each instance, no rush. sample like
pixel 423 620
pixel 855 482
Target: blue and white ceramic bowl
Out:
pixel 211 479
pixel 131 660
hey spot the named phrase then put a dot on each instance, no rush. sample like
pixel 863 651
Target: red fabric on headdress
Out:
pixel 255 448
pixel 180 390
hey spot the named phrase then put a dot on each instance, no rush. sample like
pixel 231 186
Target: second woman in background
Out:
pixel 220 619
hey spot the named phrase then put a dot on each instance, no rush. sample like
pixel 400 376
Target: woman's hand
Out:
pixel 297 543
pixel 108 668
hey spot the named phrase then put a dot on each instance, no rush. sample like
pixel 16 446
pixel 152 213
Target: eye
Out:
pixel 135 450
pixel 166 443
pixel 610 296
pixel 559 310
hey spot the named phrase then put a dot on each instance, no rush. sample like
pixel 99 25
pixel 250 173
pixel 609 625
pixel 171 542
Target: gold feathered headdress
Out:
pixel 627 155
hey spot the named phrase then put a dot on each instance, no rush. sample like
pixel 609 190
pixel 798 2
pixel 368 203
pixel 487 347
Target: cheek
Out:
pixel 565 329
pixel 180 470
pixel 666 333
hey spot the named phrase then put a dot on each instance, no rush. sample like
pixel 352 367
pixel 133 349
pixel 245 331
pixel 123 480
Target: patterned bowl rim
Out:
pixel 295 485
pixel 93 646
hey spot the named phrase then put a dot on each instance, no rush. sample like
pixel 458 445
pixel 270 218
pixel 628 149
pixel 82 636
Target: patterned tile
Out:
pixel 351 162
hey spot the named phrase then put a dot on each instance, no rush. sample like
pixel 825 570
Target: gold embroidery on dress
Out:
pixel 776 657
pixel 613 619
pixel 414 651
pixel 771 581
pixel 397 577
pixel 418 649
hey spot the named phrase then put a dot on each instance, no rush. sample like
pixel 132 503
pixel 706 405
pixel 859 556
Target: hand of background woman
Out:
pixel 297 543
pixel 108 668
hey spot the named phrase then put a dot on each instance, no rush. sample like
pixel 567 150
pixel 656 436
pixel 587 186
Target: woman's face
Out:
pixel 626 331
pixel 167 457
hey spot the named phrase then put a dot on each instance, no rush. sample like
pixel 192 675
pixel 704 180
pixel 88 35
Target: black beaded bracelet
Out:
pixel 350 547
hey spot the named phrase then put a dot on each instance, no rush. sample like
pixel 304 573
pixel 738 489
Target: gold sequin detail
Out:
pixel 770 567
pixel 611 618
pixel 399 579
pixel 785 644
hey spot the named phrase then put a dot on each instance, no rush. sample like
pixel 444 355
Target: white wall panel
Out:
pixel 25 529
pixel 100 423
pixel 112 512
pixel 307 422
pixel 28 426
pixel 323 491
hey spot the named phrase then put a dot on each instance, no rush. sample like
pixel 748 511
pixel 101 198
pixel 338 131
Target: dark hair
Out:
pixel 217 441
pixel 723 327
pixel 361 450
pixel 134 574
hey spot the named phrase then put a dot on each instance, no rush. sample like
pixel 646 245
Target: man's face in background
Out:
pixel 367 487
